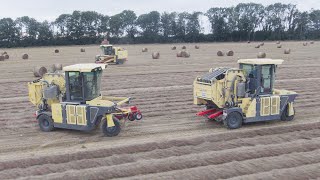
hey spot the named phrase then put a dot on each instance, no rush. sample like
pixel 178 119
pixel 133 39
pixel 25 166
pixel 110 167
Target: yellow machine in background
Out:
pixel 72 100
pixel 236 96
pixel 112 55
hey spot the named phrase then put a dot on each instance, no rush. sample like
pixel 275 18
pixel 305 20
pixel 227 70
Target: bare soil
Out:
pixel 170 142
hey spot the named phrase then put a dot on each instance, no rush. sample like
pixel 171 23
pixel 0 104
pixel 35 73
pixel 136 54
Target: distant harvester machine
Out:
pixel 112 55
pixel 71 99
pixel 237 96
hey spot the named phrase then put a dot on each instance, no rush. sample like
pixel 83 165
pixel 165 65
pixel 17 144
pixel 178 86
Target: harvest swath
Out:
pixel 171 141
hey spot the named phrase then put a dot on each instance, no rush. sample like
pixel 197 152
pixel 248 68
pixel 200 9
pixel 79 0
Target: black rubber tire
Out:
pixel 112 131
pixel 233 120
pixel 131 117
pixel 120 61
pixel 284 115
pixel 138 116
pixel 45 123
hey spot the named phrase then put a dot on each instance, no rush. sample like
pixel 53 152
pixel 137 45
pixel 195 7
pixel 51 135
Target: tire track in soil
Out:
pixel 159 154
pixel 222 137
pixel 246 169
pixel 309 171
pixel 186 161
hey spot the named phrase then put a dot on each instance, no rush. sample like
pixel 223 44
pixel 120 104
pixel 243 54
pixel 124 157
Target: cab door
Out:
pixel 76 115
pixel 81 115
pixel 269 105
pixel 265 106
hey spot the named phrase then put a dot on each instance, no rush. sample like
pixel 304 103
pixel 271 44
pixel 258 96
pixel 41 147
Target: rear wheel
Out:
pixel 233 120
pixel 111 131
pixel 120 61
pixel 45 123
pixel 285 114
pixel 138 116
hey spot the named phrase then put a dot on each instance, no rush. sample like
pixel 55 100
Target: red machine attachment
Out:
pixel 132 113
pixel 210 113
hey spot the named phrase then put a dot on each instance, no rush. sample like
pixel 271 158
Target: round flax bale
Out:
pixel 82 50
pixel 287 51
pixel 155 55
pixel 262 44
pixel 257 46
pixel 56 51
pixel 144 49
pixel 278 42
pixel 279 46
pixel 57 67
pixel 197 47
pixel 230 53
pixel 311 42
pixel 6 56
pixel 261 55
pixel 305 44
pixel 184 47
pixel 249 42
pixel 220 53
pixel 25 56
pixel 2 58
pixel 173 48
pixel 185 54
pixel 39 71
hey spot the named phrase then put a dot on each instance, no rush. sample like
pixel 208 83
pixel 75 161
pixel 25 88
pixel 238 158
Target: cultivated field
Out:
pixel 170 142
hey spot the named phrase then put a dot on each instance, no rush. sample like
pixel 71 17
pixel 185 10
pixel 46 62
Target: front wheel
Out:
pixel 45 123
pixel 285 114
pixel 111 131
pixel 233 120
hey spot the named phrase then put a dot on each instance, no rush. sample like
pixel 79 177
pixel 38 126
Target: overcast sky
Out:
pixel 51 9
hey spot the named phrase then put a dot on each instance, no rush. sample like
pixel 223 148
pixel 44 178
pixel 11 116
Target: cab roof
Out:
pixel 106 45
pixel 260 61
pixel 84 67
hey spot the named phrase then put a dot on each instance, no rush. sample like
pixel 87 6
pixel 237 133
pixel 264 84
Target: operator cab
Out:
pixel 108 50
pixel 83 82
pixel 260 74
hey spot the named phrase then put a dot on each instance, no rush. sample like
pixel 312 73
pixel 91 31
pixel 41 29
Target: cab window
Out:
pixel 92 84
pixel 248 68
pixel 251 72
pixel 266 79
pixel 75 86
pixel 108 50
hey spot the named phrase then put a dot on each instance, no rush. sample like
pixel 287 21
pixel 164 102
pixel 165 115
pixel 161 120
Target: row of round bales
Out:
pixel 39 71
pixel 184 53
pixel 181 54
pixel 6 56
pixel 81 50
pixel 279 46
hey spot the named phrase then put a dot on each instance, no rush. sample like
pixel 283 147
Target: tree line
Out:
pixel 244 22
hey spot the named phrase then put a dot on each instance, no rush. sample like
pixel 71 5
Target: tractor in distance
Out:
pixel 71 99
pixel 246 94
pixel 112 55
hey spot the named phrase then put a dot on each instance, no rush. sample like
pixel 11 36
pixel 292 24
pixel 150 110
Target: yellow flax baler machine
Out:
pixel 112 55
pixel 71 99
pixel 246 94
